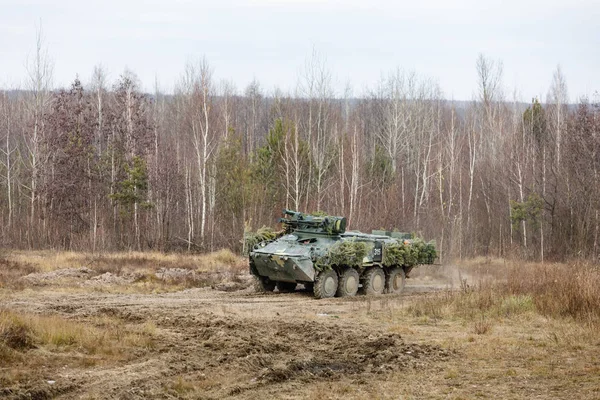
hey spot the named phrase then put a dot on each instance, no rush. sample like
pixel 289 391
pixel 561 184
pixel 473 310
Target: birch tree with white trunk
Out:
pixel 39 83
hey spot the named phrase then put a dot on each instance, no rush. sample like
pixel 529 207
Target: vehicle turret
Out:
pixel 326 224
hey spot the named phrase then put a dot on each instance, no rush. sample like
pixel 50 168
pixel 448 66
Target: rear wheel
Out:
pixel 394 282
pixel 286 287
pixel 373 281
pixel 263 284
pixel 326 284
pixel 348 283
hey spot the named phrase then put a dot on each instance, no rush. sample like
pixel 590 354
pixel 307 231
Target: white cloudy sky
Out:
pixel 271 39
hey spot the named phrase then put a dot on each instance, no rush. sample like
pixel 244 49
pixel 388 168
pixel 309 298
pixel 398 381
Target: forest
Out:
pixel 106 166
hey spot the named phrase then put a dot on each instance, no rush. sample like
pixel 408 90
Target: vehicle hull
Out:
pixel 284 268
pixel 318 252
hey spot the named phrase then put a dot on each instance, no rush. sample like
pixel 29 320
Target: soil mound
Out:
pixel 303 351
pixel 67 275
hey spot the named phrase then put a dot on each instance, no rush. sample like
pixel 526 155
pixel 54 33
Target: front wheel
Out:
pixel 326 284
pixel 263 284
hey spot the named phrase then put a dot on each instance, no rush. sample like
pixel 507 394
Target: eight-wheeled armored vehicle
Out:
pixel 317 251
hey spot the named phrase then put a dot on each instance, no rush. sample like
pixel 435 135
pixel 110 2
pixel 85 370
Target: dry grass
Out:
pixel 11 271
pixel 559 290
pixel 33 345
pixel 505 290
pixel 508 332
pixel 520 330
pixel 49 260
pixel 482 326
pixel 106 336
pixel 140 272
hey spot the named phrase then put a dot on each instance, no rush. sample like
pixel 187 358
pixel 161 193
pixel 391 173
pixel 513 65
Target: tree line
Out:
pixel 108 167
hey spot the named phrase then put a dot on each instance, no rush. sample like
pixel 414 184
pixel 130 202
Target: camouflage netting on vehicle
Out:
pixel 409 253
pixel 399 254
pixel 349 253
pixel 427 252
pixel 251 239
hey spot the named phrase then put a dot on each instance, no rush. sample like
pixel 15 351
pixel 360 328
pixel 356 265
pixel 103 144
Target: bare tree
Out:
pixel 40 72
pixel 316 87
pixel 253 115
pixel 227 100
pixel 489 82
pixel 395 117
pixel 558 99
pixel 197 89
pixel 7 125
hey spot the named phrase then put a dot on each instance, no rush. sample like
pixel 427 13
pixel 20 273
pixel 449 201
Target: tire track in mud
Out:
pixel 234 343
pixel 271 352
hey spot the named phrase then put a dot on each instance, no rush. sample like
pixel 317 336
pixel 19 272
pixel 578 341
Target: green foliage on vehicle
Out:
pixel 400 254
pixel 409 253
pixel 264 234
pixel 427 252
pixel 348 253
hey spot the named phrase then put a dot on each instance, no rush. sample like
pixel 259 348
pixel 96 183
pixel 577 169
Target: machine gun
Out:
pixel 327 224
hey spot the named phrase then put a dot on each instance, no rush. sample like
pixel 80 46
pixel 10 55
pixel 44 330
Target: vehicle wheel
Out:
pixel 373 281
pixel 263 284
pixel 348 283
pixel 286 287
pixel 326 284
pixel 394 282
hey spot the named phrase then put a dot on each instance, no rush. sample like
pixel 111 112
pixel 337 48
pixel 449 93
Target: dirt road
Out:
pixel 206 343
pixel 215 344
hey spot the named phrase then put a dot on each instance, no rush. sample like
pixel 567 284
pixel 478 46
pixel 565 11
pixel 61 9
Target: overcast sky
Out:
pixel 270 40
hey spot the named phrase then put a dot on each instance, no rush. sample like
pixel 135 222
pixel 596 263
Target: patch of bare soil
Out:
pixel 63 276
pixel 227 281
pixel 287 351
pixel 83 276
pixel 214 344
pixel 224 341
pixel 108 279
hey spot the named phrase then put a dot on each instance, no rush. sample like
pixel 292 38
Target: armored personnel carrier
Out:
pixel 317 251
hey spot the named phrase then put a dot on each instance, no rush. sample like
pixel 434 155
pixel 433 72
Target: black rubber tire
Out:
pixel 326 284
pixel 286 287
pixel 263 284
pixel 395 280
pixel 348 283
pixel 373 281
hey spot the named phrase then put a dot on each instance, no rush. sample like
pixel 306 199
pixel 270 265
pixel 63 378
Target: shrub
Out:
pixel 15 332
pixel 482 326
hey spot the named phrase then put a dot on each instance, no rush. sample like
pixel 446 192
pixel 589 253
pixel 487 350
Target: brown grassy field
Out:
pixel 148 325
